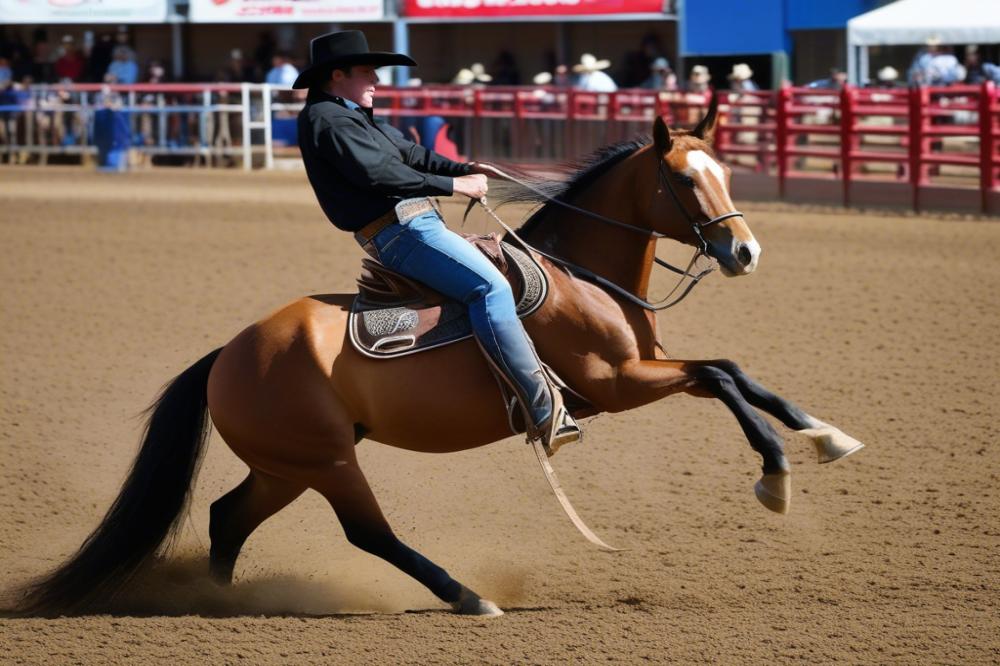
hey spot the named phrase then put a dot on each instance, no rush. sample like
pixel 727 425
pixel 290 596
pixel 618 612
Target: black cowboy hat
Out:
pixel 343 49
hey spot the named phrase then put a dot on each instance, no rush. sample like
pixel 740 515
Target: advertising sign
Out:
pixel 477 8
pixel 284 11
pixel 83 11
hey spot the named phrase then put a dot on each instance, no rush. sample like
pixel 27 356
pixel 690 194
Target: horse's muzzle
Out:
pixel 740 258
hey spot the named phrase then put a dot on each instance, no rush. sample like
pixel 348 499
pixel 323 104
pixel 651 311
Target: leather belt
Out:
pixel 365 234
pixel 404 211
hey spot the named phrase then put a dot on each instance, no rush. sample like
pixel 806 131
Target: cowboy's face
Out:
pixel 357 85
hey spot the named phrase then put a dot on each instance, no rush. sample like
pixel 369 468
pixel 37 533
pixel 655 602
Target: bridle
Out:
pixel 696 226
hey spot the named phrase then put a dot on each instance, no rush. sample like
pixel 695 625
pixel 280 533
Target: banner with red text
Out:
pixel 284 11
pixel 515 8
pixel 82 11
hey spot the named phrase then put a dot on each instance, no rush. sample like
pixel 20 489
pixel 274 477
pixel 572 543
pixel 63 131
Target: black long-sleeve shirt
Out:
pixel 360 168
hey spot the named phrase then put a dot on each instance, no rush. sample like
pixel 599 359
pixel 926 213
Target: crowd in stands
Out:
pixel 110 58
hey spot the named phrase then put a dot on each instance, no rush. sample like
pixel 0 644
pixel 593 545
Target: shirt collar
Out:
pixel 317 95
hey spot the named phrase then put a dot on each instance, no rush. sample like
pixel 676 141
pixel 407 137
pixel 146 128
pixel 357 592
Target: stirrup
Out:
pixel 560 429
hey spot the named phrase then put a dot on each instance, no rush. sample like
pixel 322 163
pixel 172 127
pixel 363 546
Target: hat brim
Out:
pixel 319 72
pixel 597 66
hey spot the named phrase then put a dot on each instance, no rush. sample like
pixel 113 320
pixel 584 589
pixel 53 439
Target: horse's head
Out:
pixel 692 192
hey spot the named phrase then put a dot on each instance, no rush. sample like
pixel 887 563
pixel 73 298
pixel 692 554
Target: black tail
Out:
pixel 146 511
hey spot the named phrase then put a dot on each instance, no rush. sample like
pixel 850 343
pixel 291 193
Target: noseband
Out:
pixel 696 227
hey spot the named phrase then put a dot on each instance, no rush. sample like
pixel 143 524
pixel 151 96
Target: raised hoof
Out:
pixel 775 491
pixel 471 603
pixel 831 444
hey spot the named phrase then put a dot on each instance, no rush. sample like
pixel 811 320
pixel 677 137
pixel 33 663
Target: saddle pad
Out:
pixel 380 330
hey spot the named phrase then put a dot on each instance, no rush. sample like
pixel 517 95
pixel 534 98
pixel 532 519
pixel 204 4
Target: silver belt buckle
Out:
pixel 407 209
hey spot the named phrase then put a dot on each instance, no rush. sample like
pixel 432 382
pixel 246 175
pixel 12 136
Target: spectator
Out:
pixel 661 76
pixel 156 73
pixel 973 65
pixel 41 57
pixel 124 68
pixel 6 74
pixel 933 67
pixel 638 64
pixel 122 42
pixel 592 78
pixel 100 57
pixel 888 77
pixel 836 81
pixel 991 72
pixel 263 54
pixel 283 72
pixel 71 64
pixel 698 79
pixel 475 74
pixel 236 69
pixel 505 72
pixel 561 77
pixel 741 78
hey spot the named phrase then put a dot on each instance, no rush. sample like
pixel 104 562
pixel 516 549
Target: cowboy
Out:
pixel 592 77
pixel 372 181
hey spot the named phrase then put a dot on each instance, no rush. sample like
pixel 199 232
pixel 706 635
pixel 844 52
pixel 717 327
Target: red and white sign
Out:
pixel 284 11
pixel 83 11
pixel 477 8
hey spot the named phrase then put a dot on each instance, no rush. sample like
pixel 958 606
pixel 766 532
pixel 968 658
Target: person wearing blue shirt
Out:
pixel 123 68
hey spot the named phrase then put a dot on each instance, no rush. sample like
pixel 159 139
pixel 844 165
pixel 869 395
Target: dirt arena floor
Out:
pixel 887 326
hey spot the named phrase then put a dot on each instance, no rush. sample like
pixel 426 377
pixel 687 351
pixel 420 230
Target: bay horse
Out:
pixel 291 397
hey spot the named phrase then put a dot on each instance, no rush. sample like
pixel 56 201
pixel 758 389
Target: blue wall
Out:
pixel 820 14
pixel 735 27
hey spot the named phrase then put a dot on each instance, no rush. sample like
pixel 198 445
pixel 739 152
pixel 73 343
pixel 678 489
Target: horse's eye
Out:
pixel 686 181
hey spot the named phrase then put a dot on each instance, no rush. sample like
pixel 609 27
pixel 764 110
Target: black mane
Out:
pixel 564 181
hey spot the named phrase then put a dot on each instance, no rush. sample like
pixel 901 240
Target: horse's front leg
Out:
pixel 831 443
pixel 643 382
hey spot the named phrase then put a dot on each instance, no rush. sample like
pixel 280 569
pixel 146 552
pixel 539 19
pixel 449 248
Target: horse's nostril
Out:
pixel 744 255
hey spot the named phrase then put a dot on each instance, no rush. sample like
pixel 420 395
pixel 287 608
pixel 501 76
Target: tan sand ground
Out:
pixel 886 326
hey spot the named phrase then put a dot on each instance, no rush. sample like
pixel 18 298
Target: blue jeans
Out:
pixel 426 250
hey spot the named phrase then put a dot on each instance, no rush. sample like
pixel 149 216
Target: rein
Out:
pixel 662 304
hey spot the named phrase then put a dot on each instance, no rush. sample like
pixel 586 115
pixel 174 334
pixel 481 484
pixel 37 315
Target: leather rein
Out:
pixel 662 304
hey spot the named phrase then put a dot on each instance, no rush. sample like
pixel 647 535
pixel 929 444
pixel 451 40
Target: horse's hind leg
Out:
pixel 235 515
pixel 831 443
pixel 345 487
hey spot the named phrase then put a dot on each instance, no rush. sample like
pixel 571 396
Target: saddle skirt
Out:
pixel 393 315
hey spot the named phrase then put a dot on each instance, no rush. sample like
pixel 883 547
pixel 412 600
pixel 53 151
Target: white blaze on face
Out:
pixel 713 196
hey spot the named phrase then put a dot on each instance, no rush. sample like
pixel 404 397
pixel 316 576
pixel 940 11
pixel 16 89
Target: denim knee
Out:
pixel 493 291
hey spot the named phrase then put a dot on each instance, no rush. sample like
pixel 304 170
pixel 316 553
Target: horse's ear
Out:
pixel 661 136
pixel 706 128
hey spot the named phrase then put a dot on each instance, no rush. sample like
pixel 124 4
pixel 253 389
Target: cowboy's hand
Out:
pixel 473 186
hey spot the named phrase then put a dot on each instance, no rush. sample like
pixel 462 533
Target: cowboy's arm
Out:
pixel 360 160
pixel 421 158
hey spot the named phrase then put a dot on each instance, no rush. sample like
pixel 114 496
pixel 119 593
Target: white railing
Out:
pixel 216 124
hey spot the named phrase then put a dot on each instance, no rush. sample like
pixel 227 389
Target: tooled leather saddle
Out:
pixel 393 315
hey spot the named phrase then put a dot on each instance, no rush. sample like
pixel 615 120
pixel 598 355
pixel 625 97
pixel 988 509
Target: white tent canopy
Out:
pixel 916 22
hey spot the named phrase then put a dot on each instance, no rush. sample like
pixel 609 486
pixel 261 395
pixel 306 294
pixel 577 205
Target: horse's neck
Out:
pixel 622 256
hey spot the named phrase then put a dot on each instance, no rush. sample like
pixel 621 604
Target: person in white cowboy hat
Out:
pixel 934 66
pixel 888 77
pixel 741 78
pixel 698 79
pixel 591 77
pixel 475 73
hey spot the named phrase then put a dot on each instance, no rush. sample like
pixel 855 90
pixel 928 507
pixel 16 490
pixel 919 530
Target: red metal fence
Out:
pixel 857 141
pixel 920 138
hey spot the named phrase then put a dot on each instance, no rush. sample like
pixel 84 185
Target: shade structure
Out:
pixel 916 21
